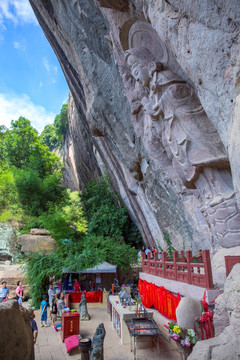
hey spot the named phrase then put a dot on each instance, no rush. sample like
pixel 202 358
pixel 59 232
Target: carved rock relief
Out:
pixel 177 133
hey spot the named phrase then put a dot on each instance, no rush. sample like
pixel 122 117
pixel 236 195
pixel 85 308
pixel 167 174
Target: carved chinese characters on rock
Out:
pixel 181 127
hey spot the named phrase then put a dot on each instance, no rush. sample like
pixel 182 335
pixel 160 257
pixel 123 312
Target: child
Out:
pixel 44 311
pixel 54 313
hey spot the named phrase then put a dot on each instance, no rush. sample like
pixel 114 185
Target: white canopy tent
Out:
pixel 104 267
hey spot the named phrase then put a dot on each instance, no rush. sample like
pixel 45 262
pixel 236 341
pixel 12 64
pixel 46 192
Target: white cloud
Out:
pixel 18 11
pixel 13 106
pixel 46 64
pixel 19 45
pixel 51 69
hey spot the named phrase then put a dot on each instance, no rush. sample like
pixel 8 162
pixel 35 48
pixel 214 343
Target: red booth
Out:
pixel 92 282
pixel 91 296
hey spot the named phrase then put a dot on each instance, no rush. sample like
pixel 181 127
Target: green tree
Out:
pixel 60 123
pixel 49 136
pixel 19 143
pixel 37 195
pixel 105 215
pixel 53 135
pixel 34 173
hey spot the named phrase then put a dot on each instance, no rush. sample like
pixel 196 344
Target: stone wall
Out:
pixel 154 87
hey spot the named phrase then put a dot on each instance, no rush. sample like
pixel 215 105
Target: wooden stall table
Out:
pixel 70 324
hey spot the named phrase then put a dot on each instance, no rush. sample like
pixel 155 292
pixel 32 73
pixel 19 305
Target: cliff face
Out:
pixel 154 89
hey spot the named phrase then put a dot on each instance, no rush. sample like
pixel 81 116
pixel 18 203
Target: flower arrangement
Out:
pixel 187 338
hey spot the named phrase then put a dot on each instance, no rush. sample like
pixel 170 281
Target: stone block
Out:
pixel 39 232
pixel 35 243
pixel 187 311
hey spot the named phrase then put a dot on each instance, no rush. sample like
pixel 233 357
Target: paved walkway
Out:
pixel 49 345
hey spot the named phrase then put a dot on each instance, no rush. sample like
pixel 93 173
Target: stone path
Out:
pixel 49 345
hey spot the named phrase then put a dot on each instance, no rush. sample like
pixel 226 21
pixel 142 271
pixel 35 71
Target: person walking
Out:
pixel 54 313
pixel 44 312
pixel 51 295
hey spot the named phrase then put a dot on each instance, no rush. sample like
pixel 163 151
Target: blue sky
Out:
pixel 31 80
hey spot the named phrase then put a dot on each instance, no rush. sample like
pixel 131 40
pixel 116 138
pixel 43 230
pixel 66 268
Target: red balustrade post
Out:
pixel 189 268
pixel 148 263
pixel 182 256
pixel 207 269
pixel 143 263
pixel 155 257
pixel 164 259
pixel 175 259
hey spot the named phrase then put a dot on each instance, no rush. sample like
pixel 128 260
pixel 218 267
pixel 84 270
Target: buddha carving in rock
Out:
pixel 190 141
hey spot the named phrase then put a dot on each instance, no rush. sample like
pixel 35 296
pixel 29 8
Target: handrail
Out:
pixel 181 268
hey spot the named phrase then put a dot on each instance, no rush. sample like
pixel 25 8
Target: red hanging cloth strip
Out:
pixel 206 320
pixel 159 297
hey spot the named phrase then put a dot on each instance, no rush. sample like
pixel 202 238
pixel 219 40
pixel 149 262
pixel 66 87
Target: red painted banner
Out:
pixel 91 296
pixel 159 297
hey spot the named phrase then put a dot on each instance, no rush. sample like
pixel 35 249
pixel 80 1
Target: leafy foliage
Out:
pixel 53 135
pixel 74 255
pixel 88 230
pixel 104 222
pixel 30 175
pixel 102 208
pixel 170 248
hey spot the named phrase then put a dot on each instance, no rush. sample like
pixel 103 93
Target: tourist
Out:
pixel 61 303
pixel 65 282
pixel 44 311
pixel 19 293
pixel 4 291
pixel 76 285
pixel 54 312
pixel 147 251
pixel 51 295
pixel 91 284
pixel 153 251
pixel 33 324
pixel 139 257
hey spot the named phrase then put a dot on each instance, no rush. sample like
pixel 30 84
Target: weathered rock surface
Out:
pixel 16 340
pixel 218 264
pixel 39 232
pixel 226 345
pixel 163 132
pixel 7 239
pixel 35 243
pixel 187 311
pixel 80 163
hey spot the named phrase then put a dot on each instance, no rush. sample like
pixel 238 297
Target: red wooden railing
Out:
pixel 180 268
pixel 230 261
